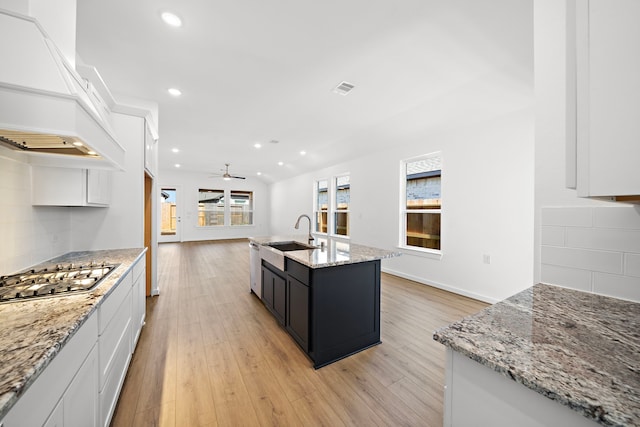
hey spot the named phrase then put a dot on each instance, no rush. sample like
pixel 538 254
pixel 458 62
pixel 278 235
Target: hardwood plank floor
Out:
pixel 211 354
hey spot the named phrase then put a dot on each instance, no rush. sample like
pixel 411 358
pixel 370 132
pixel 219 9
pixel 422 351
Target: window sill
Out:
pixel 424 253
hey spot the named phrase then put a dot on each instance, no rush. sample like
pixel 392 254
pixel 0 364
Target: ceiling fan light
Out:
pixel 226 178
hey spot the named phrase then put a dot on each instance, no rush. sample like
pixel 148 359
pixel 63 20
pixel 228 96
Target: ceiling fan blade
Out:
pixel 238 177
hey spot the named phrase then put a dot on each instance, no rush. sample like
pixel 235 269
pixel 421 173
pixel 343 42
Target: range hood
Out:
pixel 46 109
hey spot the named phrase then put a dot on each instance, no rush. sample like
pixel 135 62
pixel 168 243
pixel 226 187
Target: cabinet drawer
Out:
pixel 115 336
pixel 119 363
pixel 112 302
pixel 299 271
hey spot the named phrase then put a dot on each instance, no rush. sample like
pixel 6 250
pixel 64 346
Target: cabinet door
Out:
pixel 298 312
pixel 608 97
pixel 98 187
pixel 267 287
pixel 279 298
pixel 56 419
pixel 81 398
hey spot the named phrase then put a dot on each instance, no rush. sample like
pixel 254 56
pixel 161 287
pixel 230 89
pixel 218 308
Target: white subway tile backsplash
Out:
pixel 603 261
pixel 27 233
pixel 617 286
pixel 567 277
pixel 595 249
pixel 632 265
pixel 569 217
pixel 604 239
pixel 624 217
pixel 552 235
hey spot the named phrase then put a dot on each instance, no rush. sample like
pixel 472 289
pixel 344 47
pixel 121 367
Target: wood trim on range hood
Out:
pixel 43 97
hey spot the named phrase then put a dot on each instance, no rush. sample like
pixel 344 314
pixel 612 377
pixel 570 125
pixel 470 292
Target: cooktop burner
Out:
pixel 59 280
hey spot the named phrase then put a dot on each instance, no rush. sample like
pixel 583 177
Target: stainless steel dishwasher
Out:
pixel 254 269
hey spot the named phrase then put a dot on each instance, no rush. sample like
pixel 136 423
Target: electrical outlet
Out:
pixel 486 258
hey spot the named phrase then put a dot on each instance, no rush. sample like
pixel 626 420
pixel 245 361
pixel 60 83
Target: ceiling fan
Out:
pixel 226 175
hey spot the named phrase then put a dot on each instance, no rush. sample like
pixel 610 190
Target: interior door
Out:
pixel 170 215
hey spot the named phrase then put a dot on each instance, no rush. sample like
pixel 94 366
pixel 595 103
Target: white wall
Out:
pixel 29 234
pixel 487 198
pixel 580 243
pixel 121 225
pixel 188 184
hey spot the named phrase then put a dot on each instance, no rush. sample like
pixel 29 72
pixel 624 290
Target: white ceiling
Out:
pixel 260 70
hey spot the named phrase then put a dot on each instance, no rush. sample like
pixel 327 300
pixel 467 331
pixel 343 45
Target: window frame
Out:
pixel 227 212
pixel 203 210
pixel 250 211
pixel 403 211
pixel 316 208
pixel 333 207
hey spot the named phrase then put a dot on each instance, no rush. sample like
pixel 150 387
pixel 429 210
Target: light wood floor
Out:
pixel 212 355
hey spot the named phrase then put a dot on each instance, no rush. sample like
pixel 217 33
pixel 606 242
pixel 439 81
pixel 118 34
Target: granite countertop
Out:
pixel 34 331
pixel 578 348
pixel 333 252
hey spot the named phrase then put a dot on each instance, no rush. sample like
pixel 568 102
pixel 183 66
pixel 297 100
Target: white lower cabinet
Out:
pixel 138 307
pixel 56 419
pixel 70 374
pixel 81 385
pixel 80 405
pixel 114 344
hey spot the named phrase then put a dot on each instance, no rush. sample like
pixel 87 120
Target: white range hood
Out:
pixel 46 109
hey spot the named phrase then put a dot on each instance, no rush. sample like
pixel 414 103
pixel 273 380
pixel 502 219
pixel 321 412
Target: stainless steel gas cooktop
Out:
pixel 59 280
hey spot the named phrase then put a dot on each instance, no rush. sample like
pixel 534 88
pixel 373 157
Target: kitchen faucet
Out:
pixel 298 225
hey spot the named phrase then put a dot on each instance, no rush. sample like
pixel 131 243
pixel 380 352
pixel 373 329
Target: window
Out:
pixel 421 210
pixel 321 205
pixel 210 207
pixel 241 207
pixel 341 203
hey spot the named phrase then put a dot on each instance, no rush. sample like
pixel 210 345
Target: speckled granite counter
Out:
pixel 34 331
pixel 335 252
pixel 580 349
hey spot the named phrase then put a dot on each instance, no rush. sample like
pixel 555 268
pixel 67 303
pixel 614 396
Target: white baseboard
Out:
pixel 442 286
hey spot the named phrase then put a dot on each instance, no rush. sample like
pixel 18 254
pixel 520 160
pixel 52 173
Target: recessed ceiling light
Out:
pixel 175 150
pixel 280 163
pixel 259 173
pixel 171 19
pixel 257 145
pixel 177 165
pixel 303 153
pixel 173 91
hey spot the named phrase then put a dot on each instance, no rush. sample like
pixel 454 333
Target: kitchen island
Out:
pixel 565 357
pixel 45 341
pixel 327 297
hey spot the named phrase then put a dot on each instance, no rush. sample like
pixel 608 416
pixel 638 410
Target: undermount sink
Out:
pixel 290 246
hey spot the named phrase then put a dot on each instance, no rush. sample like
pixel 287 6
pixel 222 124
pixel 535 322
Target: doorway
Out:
pixel 170 215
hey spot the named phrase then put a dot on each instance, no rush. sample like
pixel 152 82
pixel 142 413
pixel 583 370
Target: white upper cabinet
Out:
pixel 605 147
pixel 52 186
pixel 150 149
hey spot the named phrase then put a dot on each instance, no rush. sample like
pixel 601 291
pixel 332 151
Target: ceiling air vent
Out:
pixel 343 88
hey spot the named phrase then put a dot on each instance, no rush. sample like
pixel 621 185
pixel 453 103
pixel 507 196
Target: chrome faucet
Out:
pixel 298 225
